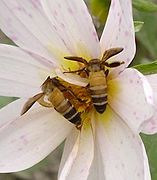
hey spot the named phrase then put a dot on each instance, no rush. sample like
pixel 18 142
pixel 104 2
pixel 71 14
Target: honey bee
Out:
pixel 52 95
pixel 96 72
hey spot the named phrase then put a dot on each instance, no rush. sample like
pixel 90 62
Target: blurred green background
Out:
pixel 146 39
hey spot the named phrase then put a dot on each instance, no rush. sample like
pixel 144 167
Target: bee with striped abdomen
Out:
pixel 52 95
pixel 96 72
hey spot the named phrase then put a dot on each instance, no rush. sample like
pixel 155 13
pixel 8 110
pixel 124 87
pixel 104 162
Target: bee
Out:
pixel 52 95
pixel 96 72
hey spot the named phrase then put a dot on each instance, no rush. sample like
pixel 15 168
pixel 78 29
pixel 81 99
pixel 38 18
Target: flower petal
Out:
pixel 120 149
pixel 27 25
pixel 27 139
pixel 72 78
pixel 74 25
pixel 150 126
pixel 97 168
pixel 9 112
pixel 130 95
pixel 71 147
pixel 21 75
pixel 119 32
pixel 78 155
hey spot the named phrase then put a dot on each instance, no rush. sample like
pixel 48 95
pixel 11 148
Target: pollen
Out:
pixel 78 96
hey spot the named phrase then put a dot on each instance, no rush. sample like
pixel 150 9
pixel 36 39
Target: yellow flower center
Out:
pixel 75 102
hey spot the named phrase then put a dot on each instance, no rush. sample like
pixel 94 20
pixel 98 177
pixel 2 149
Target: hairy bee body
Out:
pixel 98 90
pixel 53 91
pixel 64 106
pixel 97 73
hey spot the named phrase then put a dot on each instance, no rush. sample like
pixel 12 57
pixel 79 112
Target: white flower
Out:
pixel 150 126
pixel 108 147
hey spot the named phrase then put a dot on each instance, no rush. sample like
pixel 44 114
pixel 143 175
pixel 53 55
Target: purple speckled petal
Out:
pixel 119 32
pixel 26 140
pixel 119 153
pixel 27 25
pixel 74 24
pixel 78 155
pixel 150 126
pixel 131 97
pixel 21 75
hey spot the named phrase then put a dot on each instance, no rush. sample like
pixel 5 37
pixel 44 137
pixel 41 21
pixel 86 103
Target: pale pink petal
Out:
pixel 150 126
pixel 97 168
pixel 119 32
pixel 25 22
pixel 74 24
pixel 72 78
pixel 28 139
pixel 78 155
pixel 121 150
pixel 10 112
pixel 130 95
pixel 71 147
pixel 21 75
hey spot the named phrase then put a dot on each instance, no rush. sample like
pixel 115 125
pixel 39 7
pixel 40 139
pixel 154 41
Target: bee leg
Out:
pixel 71 71
pixel 88 89
pixel 63 89
pixel 79 126
pixel 74 96
pixel 106 72
pixel 113 64
pixel 44 103
pixel 84 73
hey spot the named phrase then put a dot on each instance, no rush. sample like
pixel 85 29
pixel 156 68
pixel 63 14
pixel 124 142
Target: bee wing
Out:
pixel 30 102
pixel 75 58
pixel 111 52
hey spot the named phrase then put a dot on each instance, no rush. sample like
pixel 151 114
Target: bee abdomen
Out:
pixel 100 103
pixel 69 112
pixel 99 97
pixel 72 115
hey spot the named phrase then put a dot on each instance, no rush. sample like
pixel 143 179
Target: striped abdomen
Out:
pixel 64 107
pixel 98 90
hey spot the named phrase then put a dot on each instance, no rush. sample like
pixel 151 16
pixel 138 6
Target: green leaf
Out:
pixel 6 100
pixel 150 142
pixel 145 5
pixel 99 9
pixel 147 69
pixel 147 36
pixel 4 39
pixel 138 25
